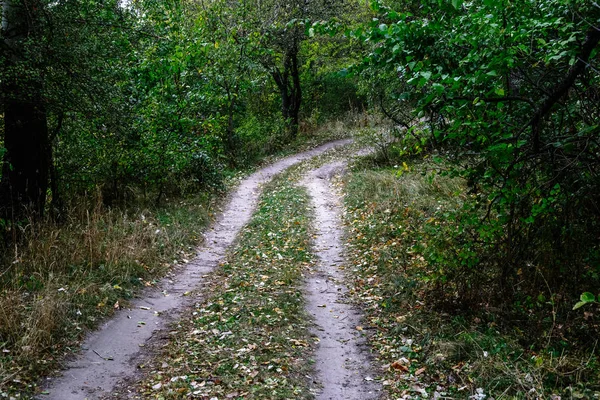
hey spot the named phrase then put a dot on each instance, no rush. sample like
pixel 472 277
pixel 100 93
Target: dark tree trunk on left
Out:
pixel 25 171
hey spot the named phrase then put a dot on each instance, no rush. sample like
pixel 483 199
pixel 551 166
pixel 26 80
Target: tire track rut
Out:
pixel 342 362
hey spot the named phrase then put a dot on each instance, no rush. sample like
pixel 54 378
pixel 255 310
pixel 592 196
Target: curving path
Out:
pixel 111 353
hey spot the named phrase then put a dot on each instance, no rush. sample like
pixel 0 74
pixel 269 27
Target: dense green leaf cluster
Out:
pixel 508 91
pixel 146 97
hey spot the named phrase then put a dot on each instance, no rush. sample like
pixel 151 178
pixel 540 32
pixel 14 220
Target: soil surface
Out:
pixel 342 359
pixel 112 353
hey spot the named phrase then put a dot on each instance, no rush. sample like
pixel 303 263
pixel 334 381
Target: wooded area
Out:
pixel 113 94
pixel 120 106
pixel 508 92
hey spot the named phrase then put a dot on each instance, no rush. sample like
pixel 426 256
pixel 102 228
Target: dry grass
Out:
pixel 425 348
pixel 61 279
pixel 340 128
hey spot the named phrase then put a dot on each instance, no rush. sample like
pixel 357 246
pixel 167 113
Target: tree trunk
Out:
pixel 288 83
pixel 26 166
pixel 26 163
pixel 296 93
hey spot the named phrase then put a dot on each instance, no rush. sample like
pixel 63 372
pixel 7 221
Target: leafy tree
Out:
pixel 231 72
pixel 59 73
pixel 508 91
pixel 143 94
pixel 279 30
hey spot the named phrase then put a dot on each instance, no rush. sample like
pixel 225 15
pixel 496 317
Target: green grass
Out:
pixel 248 337
pixel 424 347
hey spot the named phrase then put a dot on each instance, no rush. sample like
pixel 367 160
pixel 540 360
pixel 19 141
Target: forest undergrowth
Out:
pixel 394 216
pixel 64 278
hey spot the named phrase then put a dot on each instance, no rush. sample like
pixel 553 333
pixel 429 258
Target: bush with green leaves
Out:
pixel 508 91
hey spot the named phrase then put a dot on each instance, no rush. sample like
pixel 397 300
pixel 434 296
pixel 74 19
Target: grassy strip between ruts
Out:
pixel 248 336
pixel 426 352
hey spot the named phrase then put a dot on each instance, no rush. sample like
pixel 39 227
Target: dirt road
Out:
pixel 342 365
pixel 112 354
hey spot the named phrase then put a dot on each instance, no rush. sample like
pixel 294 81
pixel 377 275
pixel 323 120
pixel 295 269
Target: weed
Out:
pixel 426 348
pixel 62 279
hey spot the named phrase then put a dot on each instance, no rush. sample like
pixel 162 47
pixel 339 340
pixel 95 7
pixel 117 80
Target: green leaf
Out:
pixel 585 298
pixel 456 3
pixel 579 304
